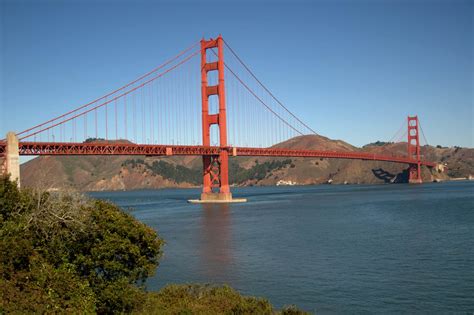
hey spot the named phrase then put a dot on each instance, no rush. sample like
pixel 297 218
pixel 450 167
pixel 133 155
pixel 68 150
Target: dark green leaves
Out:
pixel 61 251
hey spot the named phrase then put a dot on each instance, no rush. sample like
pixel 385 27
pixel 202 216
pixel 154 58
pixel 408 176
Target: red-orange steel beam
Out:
pixel 327 154
pixel 49 148
pixel 56 148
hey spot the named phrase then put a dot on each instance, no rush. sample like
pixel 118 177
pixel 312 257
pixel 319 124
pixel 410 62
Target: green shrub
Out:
pixel 66 252
pixel 207 299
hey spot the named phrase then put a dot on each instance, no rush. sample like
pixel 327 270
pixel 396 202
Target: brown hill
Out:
pixel 315 142
pixel 125 172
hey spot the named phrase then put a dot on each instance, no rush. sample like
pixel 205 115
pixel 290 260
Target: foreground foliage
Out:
pixel 64 252
pixel 207 299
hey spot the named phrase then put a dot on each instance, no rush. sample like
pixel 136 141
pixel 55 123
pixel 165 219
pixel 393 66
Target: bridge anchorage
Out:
pixel 149 97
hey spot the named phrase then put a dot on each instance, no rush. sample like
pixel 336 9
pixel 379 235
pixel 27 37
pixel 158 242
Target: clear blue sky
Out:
pixel 352 69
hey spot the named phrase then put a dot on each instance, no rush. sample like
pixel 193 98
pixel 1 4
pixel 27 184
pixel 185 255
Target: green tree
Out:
pixel 64 251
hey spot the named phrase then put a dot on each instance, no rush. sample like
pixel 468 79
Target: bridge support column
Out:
pixel 215 176
pixel 12 158
pixel 414 174
pixel 215 167
pixel 414 170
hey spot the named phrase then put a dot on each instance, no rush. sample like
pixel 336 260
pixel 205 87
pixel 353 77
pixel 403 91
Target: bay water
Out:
pixel 328 249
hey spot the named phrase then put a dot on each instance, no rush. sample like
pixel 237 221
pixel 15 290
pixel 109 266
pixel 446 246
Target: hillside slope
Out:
pixel 139 172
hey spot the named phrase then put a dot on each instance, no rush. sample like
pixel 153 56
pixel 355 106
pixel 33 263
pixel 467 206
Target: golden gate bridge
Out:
pixel 158 114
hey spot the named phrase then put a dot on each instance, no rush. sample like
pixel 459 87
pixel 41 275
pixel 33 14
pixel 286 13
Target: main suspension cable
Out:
pixel 115 91
pixel 267 90
pixel 422 132
pixel 258 98
pixel 115 98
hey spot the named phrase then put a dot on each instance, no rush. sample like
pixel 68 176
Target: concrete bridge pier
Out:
pixel 414 174
pixel 12 158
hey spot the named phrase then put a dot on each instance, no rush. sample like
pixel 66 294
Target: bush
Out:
pixel 207 299
pixel 66 252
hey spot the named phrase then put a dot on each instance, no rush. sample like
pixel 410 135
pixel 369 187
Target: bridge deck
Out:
pixel 52 148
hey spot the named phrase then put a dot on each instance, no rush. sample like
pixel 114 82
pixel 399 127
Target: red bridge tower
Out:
pixel 215 167
pixel 414 171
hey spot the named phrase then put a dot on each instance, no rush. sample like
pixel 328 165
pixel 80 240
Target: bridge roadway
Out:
pixel 98 148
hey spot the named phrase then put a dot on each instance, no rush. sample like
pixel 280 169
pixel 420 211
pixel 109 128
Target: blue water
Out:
pixel 327 249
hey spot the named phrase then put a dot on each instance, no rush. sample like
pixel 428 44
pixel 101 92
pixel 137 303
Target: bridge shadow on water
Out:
pixel 216 237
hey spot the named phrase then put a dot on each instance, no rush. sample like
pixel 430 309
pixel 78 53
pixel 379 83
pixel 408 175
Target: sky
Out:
pixel 353 70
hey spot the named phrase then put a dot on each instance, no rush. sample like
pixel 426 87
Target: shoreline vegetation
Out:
pixel 62 252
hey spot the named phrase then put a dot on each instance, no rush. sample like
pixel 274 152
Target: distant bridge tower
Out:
pixel 414 171
pixel 215 167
